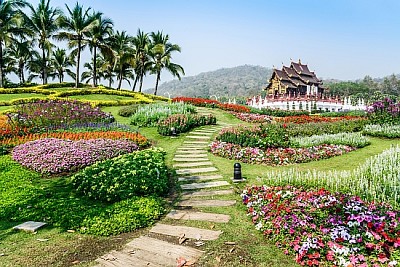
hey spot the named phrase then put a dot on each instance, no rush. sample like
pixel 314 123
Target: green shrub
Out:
pixel 128 110
pixel 315 128
pixel 278 112
pixel 136 174
pixel 386 111
pixel 349 139
pixel 183 123
pixel 360 113
pixel 384 130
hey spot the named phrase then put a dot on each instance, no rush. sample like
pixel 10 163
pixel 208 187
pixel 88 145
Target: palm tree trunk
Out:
pixel 109 81
pixel 1 65
pixel 77 64
pixel 135 82
pixel 158 79
pixel 141 82
pixel 44 71
pixel 120 79
pixel 94 67
pixel 60 76
pixel 22 66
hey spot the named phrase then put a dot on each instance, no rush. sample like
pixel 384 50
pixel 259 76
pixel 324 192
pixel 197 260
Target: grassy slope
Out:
pixel 9 97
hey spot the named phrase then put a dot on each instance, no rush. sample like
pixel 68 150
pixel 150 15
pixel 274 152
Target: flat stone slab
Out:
pixel 187 159
pixel 206 203
pixel 198 216
pixel 190 232
pixel 191 150
pixel 193 164
pixel 196 170
pixel 203 185
pixel 196 142
pixel 202 133
pixel 121 259
pixel 162 252
pixel 197 137
pixel 190 155
pixel 29 226
pixel 200 178
pixel 211 193
pixel 211 131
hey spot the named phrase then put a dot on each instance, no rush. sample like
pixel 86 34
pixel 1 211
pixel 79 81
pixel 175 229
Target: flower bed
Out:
pixel 316 119
pixel 250 117
pixel 182 123
pixel 135 137
pixel 384 130
pixel 199 102
pixel 349 139
pixel 277 156
pixel 386 111
pixel 279 112
pixel 326 229
pixel 54 156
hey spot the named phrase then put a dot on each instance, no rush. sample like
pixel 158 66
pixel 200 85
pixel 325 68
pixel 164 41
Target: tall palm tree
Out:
pixel 20 54
pixel 35 66
pixel 9 27
pixel 160 53
pixel 141 42
pixel 78 24
pixel 97 38
pixel 124 53
pixel 106 68
pixel 88 75
pixel 60 64
pixel 43 21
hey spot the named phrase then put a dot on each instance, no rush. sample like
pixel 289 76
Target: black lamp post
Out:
pixel 237 173
pixel 173 132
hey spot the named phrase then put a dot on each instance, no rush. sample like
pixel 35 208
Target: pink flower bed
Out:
pixel 54 156
pixel 253 118
pixel 277 156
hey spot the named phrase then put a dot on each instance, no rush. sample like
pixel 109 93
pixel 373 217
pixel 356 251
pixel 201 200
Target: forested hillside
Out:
pixel 243 80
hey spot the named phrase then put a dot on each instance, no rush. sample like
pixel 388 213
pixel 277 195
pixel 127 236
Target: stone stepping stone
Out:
pixel 29 226
pixel 210 131
pixel 202 147
pixel 196 178
pixel 198 216
pixel 193 164
pixel 206 203
pixel 188 195
pixel 198 137
pixel 162 252
pixel 196 142
pixel 202 133
pixel 196 170
pixel 203 185
pixel 186 159
pixel 190 155
pixel 120 259
pixel 191 151
pixel 190 232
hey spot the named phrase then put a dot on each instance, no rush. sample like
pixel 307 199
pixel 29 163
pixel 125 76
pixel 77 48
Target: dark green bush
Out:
pixel 278 112
pixel 128 110
pixel 360 113
pixel 140 173
pixel 184 123
pixel 314 128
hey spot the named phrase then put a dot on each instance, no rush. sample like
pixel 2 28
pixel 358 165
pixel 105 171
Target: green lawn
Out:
pixel 9 97
pixel 100 97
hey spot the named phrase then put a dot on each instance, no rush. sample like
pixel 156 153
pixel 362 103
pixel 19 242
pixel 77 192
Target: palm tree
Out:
pixel 106 68
pixel 9 27
pixel 141 42
pixel 20 54
pixel 97 38
pixel 160 53
pixel 35 66
pixel 124 53
pixel 43 21
pixel 60 63
pixel 77 25
pixel 88 75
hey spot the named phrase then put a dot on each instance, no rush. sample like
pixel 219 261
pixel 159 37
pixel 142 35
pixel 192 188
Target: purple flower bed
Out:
pixel 54 156
pixel 277 156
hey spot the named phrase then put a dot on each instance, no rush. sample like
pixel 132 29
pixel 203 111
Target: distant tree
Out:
pixel 160 56
pixel 391 85
pixel 35 66
pixel 10 21
pixel 20 53
pixel 60 63
pixel 76 26
pixel 43 22
pixel 142 61
pixel 106 68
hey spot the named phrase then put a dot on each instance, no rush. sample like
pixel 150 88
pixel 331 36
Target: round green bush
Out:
pixel 128 110
pixel 141 173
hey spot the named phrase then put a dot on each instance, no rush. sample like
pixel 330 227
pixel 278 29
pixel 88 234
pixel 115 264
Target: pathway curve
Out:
pixel 196 173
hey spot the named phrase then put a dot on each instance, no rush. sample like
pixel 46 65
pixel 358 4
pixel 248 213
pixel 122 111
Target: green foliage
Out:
pixel 386 111
pixel 360 113
pixel 150 115
pixel 309 129
pixel 349 139
pixel 385 130
pixel 278 112
pixel 140 173
pixel 128 110
pixel 184 122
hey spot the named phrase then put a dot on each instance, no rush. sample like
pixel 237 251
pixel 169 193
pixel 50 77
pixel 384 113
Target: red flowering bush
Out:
pixel 326 229
pixel 199 102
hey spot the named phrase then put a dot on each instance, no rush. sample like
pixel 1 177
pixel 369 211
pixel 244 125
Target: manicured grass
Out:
pixel 9 97
pixel 5 108
pixel 100 97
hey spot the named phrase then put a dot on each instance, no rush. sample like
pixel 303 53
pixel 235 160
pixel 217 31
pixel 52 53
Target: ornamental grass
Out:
pixel 321 228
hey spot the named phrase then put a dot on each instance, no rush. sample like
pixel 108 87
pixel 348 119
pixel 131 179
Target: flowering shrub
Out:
pixel 309 129
pixel 135 137
pixel 183 123
pixel 384 112
pixel 136 174
pixel 384 130
pixel 54 156
pixel 315 119
pixel 276 156
pixel 47 113
pixel 234 107
pixel 325 229
pixel 253 118
pixel 199 102
pixel 150 115
pixel 350 139
pixel 278 112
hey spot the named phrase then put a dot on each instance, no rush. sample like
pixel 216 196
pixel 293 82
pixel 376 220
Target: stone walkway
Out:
pixel 196 172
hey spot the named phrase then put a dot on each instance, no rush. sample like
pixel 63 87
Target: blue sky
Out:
pixel 343 39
